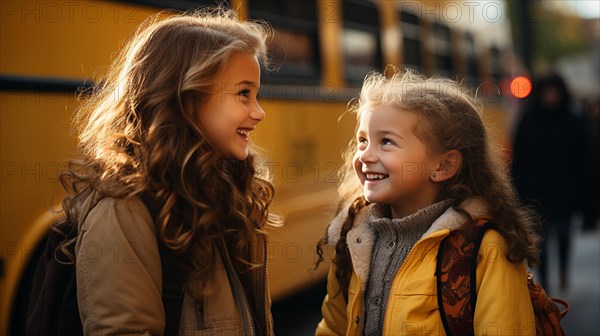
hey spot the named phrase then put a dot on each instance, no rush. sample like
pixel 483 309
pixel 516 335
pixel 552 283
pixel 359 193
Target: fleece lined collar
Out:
pixel 362 236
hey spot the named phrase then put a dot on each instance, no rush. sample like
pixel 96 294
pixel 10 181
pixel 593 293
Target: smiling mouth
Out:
pixel 376 177
pixel 243 132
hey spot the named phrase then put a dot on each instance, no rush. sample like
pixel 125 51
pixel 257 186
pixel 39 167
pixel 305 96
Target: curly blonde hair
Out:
pixel 450 119
pixel 140 137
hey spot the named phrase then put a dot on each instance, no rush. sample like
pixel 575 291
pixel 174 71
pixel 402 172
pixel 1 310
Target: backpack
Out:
pixel 456 290
pixel 53 306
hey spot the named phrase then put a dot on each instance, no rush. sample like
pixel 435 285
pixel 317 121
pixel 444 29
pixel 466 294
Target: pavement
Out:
pixel 583 295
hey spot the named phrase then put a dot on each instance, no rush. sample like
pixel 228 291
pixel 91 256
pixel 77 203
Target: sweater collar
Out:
pixel 450 219
pixel 379 219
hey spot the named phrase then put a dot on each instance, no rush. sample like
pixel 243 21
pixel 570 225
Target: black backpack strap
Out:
pixel 174 277
pixel 456 267
pixel 173 281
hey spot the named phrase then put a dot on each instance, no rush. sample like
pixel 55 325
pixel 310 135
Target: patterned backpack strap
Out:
pixel 546 309
pixel 456 267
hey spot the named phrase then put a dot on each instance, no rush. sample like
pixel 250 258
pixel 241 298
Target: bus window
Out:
pixel 360 40
pixel 443 50
pixel 294 47
pixel 496 66
pixel 471 60
pixel 411 40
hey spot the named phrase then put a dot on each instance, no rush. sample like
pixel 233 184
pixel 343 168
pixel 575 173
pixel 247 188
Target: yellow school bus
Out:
pixel 323 49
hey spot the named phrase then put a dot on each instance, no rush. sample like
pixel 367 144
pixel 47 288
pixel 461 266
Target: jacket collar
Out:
pixel 361 237
pixel 450 219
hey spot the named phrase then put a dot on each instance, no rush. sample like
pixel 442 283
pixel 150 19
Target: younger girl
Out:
pixel 419 167
pixel 167 166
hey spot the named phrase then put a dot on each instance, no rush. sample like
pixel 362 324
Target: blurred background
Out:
pixel 321 51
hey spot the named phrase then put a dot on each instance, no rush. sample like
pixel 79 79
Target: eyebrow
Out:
pixel 383 133
pixel 248 82
pixel 386 133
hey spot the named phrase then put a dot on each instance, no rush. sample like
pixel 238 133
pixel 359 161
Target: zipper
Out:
pixel 237 289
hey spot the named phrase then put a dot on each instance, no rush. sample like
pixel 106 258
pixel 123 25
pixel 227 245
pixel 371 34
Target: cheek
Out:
pixel 214 115
pixel 211 125
pixel 358 166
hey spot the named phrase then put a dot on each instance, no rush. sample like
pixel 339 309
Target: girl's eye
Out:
pixel 362 140
pixel 387 141
pixel 244 92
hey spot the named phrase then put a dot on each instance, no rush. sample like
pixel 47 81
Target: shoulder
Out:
pixel 127 215
pixel 493 253
pixel 493 244
pixel 335 227
pixel 503 299
pixel 493 235
pixel 494 269
pixel 119 206
pixel 117 253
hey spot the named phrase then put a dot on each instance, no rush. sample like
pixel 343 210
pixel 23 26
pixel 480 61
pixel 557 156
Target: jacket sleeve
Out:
pixel 334 321
pixel 503 304
pixel 118 271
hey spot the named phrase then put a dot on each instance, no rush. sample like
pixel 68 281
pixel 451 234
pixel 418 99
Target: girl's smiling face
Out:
pixel 392 163
pixel 232 111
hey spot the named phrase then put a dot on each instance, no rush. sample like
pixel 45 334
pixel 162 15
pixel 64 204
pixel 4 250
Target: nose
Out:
pixel 257 112
pixel 367 155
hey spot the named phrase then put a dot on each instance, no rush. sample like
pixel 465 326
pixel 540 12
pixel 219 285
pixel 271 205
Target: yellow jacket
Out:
pixel 503 304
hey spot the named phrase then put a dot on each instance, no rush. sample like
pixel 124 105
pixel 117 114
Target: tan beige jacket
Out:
pixel 119 280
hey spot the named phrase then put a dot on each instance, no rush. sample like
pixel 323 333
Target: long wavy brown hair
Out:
pixel 139 136
pixel 450 119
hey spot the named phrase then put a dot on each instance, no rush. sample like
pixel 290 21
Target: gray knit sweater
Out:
pixel 394 240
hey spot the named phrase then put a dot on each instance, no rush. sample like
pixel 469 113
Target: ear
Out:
pixel 448 166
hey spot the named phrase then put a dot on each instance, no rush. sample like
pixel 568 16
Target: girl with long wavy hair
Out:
pixel 167 166
pixel 421 165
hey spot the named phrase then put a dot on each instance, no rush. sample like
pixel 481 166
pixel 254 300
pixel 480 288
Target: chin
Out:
pixel 240 156
pixel 371 198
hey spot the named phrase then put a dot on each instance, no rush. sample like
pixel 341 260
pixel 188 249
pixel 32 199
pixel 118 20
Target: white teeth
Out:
pixel 243 132
pixel 376 176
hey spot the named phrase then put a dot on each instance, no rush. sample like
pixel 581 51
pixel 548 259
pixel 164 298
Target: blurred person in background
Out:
pixel 548 166
pixel 591 193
